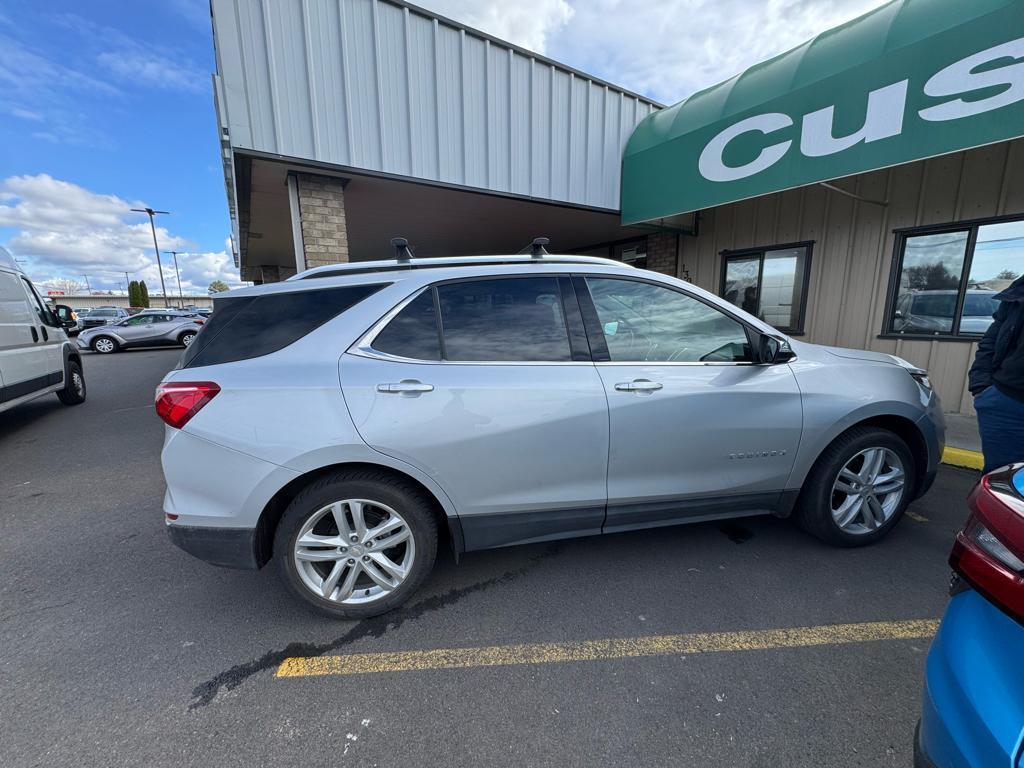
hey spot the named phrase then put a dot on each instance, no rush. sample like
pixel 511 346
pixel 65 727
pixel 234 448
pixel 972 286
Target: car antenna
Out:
pixel 403 253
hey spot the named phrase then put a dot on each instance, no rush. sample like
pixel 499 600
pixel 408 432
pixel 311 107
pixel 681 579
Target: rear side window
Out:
pixel 413 332
pixel 508 319
pixel 251 326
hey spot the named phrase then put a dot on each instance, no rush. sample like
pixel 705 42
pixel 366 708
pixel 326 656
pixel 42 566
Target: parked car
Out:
pixel 932 311
pixel 146 329
pixel 365 410
pixel 973 704
pixel 102 316
pixel 36 357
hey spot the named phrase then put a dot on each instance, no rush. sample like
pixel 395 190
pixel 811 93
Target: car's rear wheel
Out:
pixel 187 338
pixel 356 544
pixel 104 345
pixel 74 385
pixel 858 489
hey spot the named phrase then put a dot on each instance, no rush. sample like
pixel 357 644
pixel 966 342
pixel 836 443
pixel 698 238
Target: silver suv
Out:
pixel 343 421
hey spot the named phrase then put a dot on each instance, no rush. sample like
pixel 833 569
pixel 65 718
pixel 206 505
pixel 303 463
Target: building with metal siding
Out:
pixel 347 122
pixel 379 94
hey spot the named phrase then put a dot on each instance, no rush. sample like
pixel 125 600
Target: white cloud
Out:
pixel 526 23
pixel 132 63
pixel 66 231
pixel 665 49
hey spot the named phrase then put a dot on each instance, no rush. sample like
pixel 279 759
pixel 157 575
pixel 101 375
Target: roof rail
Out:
pixel 394 265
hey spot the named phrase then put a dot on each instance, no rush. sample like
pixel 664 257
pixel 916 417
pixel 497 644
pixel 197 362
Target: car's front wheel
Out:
pixel 858 489
pixel 74 385
pixel 356 544
pixel 104 345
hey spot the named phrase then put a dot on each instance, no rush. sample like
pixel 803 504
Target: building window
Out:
pixel 632 252
pixel 946 277
pixel 770 283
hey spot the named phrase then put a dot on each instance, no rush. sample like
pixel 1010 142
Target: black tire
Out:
pixel 402 496
pixel 813 510
pixel 74 385
pixel 114 345
pixel 191 337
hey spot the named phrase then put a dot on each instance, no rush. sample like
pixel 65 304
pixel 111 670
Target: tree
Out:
pixel 930 277
pixel 134 294
pixel 65 286
pixel 143 295
pixel 217 286
pixel 1007 274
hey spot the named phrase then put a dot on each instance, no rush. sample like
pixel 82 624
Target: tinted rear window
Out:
pixel 413 331
pixel 508 319
pixel 251 326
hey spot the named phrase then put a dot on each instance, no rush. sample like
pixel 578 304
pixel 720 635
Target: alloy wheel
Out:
pixel 78 383
pixel 187 338
pixel 868 490
pixel 103 345
pixel 354 552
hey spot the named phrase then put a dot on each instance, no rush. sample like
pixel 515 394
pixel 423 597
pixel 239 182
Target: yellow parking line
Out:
pixel 595 650
pixel 961 457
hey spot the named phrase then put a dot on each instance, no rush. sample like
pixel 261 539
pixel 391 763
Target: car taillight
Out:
pixel 197 321
pixel 179 401
pixel 989 551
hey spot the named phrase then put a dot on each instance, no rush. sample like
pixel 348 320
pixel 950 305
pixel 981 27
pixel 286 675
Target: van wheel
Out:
pixel 74 385
pixel 356 543
pixel 104 345
pixel 187 338
pixel 858 489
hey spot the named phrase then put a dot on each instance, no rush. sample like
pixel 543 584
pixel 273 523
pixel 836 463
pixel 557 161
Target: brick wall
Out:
pixel 322 219
pixel 661 253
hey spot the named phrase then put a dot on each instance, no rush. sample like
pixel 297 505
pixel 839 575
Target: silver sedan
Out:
pixel 143 330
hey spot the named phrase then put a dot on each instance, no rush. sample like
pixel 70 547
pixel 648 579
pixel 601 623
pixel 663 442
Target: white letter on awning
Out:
pixel 713 168
pixel 960 78
pixel 884 118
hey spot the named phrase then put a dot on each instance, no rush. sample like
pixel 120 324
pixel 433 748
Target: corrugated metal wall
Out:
pixel 853 246
pixel 380 86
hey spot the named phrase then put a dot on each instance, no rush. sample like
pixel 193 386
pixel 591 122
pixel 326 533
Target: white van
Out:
pixel 36 357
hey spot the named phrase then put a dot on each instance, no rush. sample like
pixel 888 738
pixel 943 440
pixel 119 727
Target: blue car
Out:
pixel 972 715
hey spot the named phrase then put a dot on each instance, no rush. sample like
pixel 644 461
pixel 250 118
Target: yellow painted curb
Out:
pixel 960 457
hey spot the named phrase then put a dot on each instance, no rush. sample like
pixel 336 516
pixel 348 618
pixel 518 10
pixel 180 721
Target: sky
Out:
pixel 107 105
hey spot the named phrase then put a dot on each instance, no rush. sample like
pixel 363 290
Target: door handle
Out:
pixel 408 386
pixel 35 333
pixel 638 385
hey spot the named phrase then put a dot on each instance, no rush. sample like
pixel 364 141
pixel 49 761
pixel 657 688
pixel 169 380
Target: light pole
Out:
pixel 87 288
pixel 151 213
pixel 177 275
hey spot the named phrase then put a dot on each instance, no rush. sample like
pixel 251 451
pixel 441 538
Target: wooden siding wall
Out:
pixel 853 246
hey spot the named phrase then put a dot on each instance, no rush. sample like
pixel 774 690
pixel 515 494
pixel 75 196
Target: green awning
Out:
pixel 909 80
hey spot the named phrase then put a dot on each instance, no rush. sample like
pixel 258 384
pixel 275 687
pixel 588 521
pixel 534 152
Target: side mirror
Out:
pixel 898 314
pixel 64 316
pixel 773 350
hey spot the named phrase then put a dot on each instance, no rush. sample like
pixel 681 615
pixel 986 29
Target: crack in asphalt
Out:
pixel 228 680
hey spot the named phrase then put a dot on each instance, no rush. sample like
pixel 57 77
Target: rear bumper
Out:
pixel 226 547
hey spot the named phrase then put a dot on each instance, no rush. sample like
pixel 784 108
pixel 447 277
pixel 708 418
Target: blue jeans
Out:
pixel 1001 423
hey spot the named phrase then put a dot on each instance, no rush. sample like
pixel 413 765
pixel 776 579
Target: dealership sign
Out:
pixel 908 81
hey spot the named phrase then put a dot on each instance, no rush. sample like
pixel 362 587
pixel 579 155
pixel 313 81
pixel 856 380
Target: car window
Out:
pixel 33 299
pixel 643 322
pixel 140 320
pixel 506 319
pixel 244 327
pixel 413 331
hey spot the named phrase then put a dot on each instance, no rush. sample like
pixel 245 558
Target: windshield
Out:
pixel 980 305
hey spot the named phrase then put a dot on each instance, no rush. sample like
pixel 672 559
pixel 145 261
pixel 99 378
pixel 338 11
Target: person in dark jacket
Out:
pixel 997 380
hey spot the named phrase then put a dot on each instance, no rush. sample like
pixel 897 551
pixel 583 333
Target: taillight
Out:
pixel 179 401
pixel 197 321
pixel 989 551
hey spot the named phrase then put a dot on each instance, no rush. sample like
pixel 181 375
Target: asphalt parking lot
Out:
pixel 118 649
